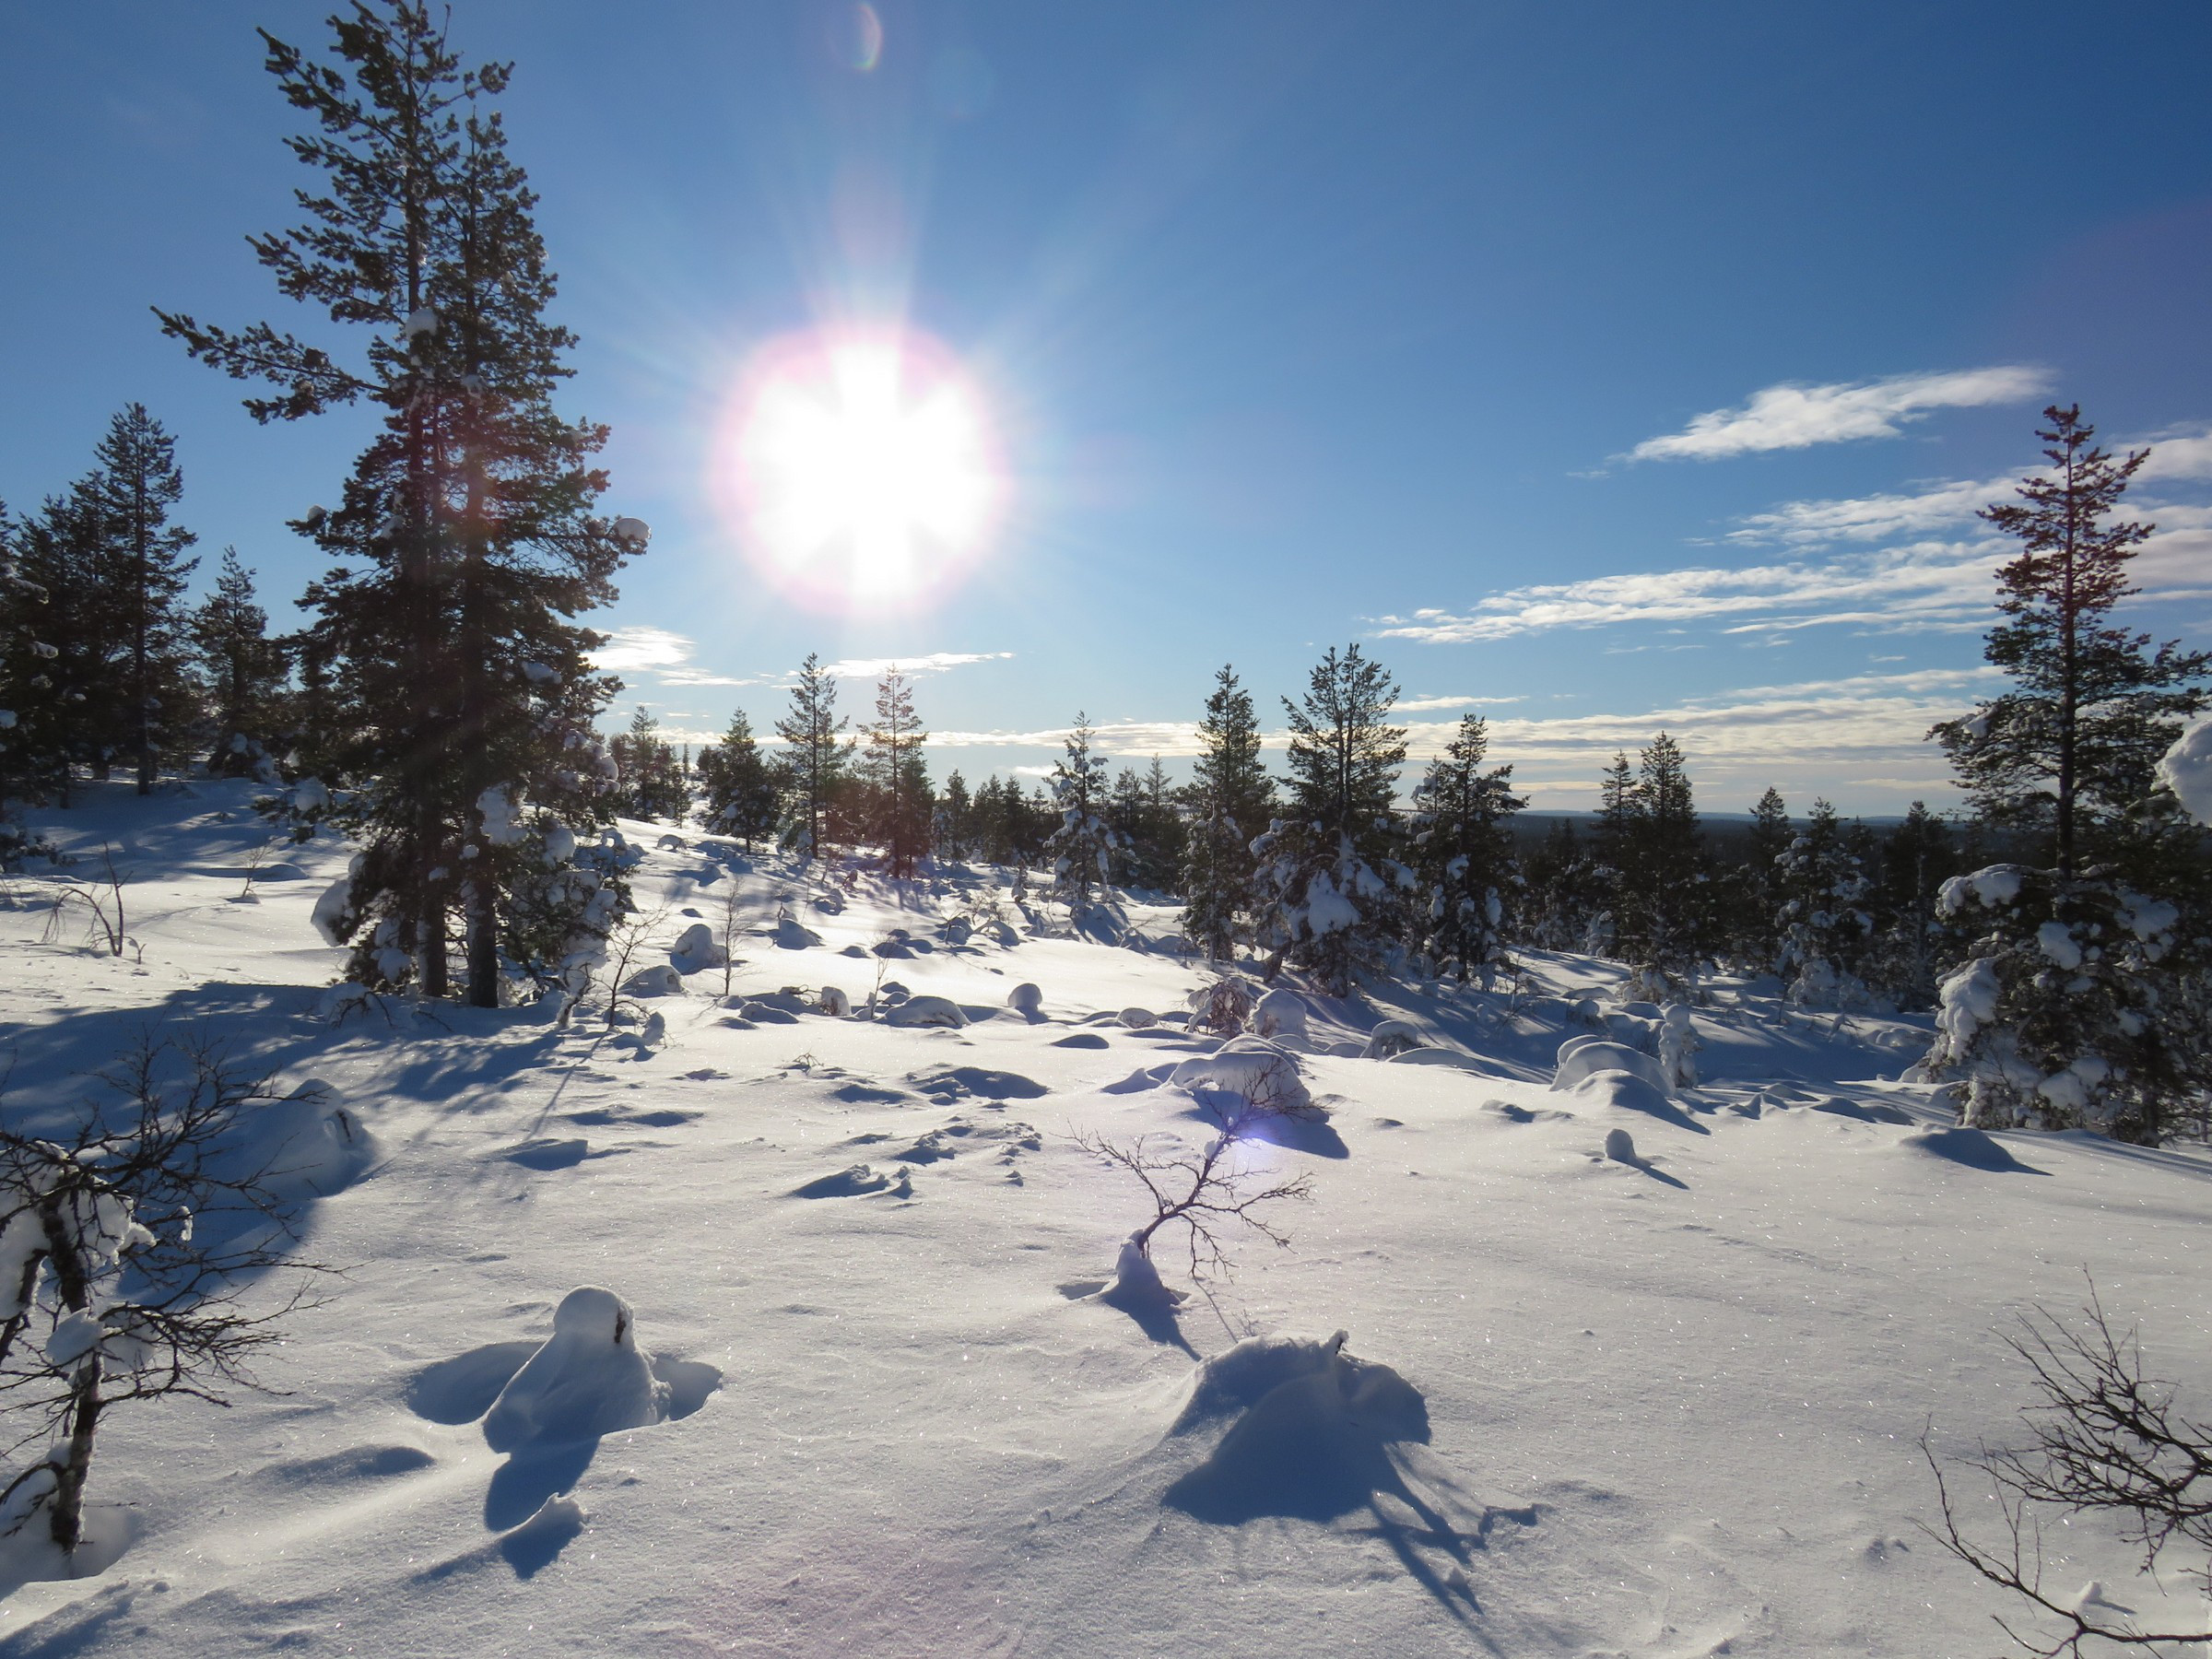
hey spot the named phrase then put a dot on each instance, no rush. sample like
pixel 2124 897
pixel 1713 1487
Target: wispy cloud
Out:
pixel 1421 705
pixel 628 649
pixel 935 662
pixel 1796 416
pixel 1868 728
pixel 1929 586
pixel 667 656
pixel 1146 737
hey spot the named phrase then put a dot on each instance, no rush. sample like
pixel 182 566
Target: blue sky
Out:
pixel 1598 368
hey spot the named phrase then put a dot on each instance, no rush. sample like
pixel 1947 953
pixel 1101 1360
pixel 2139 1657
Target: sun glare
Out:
pixel 860 469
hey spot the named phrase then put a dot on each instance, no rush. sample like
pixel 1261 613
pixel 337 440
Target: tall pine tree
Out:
pixel 1336 889
pixel 142 576
pixel 1230 798
pixel 1464 852
pixel 465 541
pixel 896 775
pixel 736 785
pixel 814 764
pixel 246 673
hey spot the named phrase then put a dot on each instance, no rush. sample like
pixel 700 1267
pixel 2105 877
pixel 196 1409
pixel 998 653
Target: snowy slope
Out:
pixel 1583 1406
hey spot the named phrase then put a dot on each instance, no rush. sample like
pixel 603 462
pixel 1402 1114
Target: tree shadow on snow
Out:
pixel 1328 1445
pixel 1158 1317
pixel 463 1388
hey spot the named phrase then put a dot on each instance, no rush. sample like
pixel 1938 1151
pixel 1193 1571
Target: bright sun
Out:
pixel 860 468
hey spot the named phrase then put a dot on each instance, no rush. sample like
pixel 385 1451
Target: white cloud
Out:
pixel 1872 518
pixel 1419 705
pixel 1929 586
pixel 1865 728
pixel 2179 453
pixel 666 656
pixel 1796 416
pixel 1122 737
pixel 629 649
pixel 935 662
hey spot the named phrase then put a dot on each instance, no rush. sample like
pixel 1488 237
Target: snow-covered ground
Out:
pixel 1582 1407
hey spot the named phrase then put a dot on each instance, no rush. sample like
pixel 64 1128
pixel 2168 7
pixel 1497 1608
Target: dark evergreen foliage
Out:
pixel 460 686
pixel 1464 854
pixel 737 785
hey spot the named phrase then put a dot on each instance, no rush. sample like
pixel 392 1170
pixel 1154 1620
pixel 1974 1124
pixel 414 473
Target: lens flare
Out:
pixel 859 469
pixel 861 45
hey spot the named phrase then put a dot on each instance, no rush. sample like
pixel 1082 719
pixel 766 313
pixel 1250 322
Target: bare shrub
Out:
pixel 2103 1442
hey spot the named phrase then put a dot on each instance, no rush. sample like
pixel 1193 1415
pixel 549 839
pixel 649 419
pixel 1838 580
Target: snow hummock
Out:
pixel 1582 1057
pixel 1280 1013
pixel 590 1379
pixel 1250 1068
pixel 695 949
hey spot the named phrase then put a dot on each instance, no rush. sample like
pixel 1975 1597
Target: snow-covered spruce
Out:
pixel 2073 1009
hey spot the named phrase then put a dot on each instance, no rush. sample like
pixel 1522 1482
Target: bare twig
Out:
pixel 2103 1440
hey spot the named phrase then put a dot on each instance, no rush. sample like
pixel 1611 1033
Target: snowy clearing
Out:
pixel 1627 1367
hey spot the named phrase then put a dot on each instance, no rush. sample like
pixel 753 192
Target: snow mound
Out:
pixel 1390 1039
pixel 926 1011
pixel 1585 1057
pixel 1450 1058
pixel 314 1149
pixel 1222 1005
pixel 790 934
pixel 695 950
pixel 1278 1014
pixel 853 1183
pixel 588 1380
pixel 659 980
pixel 1629 1090
pixel 1976 1148
pixel 1313 1436
pixel 1250 1068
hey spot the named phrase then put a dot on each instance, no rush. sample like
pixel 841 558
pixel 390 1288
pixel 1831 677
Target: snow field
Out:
pixel 1582 1405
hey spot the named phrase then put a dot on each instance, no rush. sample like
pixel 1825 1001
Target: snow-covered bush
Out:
pixel 1824 926
pixel 2072 1009
pixel 123 1236
pixel 1331 911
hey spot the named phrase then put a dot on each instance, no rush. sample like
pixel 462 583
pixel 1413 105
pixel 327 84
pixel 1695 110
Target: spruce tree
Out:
pixel 142 576
pixel 896 775
pixel 1085 846
pixel 1230 798
pixel 246 673
pixel 1917 859
pixel 1756 897
pixel 465 699
pixel 650 782
pixel 1565 897
pixel 953 823
pixel 1825 926
pixel 736 785
pixel 2072 749
pixel 813 764
pixel 2079 1001
pixel 1464 854
pixel 1663 909
pixel 1336 888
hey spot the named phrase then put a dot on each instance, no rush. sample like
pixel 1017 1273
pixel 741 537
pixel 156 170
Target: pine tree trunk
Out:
pixel 140 555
